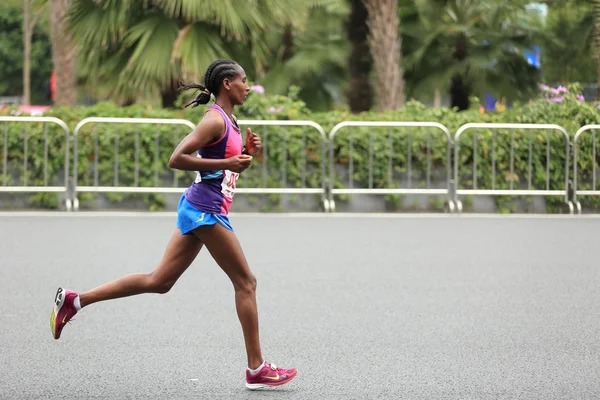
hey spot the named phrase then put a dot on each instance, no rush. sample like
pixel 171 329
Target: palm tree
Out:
pixel 360 61
pixel 137 46
pixel 568 43
pixel 310 52
pixel 63 53
pixel 32 11
pixel 469 47
pixel 385 43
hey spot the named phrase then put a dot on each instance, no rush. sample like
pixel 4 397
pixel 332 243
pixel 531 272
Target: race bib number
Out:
pixel 198 176
pixel 228 185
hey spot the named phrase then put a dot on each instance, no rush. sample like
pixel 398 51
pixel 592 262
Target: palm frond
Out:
pixel 199 48
pixel 96 24
pixel 495 35
pixel 236 18
pixel 141 45
pixel 152 41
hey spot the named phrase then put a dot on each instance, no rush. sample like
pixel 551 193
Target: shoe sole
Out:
pixel 255 386
pixel 59 299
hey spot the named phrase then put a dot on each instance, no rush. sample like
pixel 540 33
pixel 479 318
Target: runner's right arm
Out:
pixel 207 131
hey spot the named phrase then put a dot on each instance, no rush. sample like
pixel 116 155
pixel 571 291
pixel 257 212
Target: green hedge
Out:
pixel 299 150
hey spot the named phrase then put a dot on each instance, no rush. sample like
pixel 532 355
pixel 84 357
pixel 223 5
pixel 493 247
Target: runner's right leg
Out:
pixel 226 250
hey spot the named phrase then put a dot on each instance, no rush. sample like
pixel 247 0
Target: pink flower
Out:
pixel 557 99
pixel 580 98
pixel 274 110
pixel 545 88
pixel 258 89
pixel 562 89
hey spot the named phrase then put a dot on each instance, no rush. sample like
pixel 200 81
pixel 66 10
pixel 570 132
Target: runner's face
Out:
pixel 237 87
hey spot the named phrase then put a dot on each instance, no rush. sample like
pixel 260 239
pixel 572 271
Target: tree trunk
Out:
pixel 598 90
pixel 288 43
pixel 169 94
pixel 385 44
pixel 459 93
pixel 27 28
pixel 28 25
pixel 360 62
pixel 63 53
pixel 437 98
pixel 596 39
pixel 127 101
pixel 459 88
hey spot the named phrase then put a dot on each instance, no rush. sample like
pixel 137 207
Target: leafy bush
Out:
pixel 293 156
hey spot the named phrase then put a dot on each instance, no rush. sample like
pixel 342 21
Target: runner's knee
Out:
pixel 246 283
pixel 157 285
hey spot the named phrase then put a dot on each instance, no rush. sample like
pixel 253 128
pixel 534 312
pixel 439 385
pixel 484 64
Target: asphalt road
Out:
pixel 365 308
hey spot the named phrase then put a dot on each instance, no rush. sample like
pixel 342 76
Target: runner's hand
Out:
pixel 253 143
pixel 239 163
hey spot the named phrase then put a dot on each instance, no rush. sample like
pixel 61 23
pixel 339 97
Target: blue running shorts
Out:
pixel 189 217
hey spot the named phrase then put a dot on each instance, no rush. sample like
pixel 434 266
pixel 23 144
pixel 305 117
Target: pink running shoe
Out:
pixel 269 375
pixel 62 311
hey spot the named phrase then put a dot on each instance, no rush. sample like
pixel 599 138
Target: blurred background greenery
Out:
pixel 447 61
pixel 354 55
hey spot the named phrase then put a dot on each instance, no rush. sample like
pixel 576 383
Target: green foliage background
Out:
pixel 294 155
pixel 11 57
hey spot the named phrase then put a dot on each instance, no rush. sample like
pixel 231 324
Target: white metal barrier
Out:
pixel 116 188
pixel 265 152
pixel 511 191
pixel 158 188
pixel 576 191
pixel 47 186
pixel 326 188
pixel 389 190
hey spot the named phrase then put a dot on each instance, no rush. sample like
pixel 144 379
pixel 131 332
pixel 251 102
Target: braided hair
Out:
pixel 213 78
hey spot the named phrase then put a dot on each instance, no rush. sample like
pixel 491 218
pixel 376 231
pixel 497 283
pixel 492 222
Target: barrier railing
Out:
pixel 137 145
pixel 576 141
pixel 309 168
pixel 511 191
pixel 298 160
pixel 392 161
pixel 141 147
pixel 28 169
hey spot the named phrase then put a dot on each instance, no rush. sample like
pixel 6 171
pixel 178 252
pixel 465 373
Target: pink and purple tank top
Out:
pixel 212 191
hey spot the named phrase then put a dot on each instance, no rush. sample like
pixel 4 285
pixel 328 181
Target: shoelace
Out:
pixel 275 368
